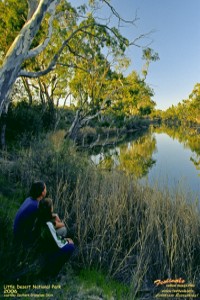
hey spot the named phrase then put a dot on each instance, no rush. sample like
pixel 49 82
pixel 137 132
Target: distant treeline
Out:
pixel 186 112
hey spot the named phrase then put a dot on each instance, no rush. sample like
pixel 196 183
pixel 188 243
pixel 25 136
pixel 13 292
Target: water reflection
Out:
pixel 133 157
pixel 161 154
pixel 136 157
pixel 188 137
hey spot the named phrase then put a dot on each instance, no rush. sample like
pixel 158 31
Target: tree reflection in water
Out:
pixel 134 157
pixel 189 137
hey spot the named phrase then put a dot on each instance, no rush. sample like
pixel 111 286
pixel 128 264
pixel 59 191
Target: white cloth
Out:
pixel 58 239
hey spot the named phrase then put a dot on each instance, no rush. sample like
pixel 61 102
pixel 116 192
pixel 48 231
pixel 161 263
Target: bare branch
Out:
pixel 36 74
pixel 49 69
pixel 142 36
pixel 73 66
pixel 28 89
pixel 75 53
pixel 113 10
pixel 64 103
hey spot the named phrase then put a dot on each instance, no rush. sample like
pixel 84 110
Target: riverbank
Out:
pixel 134 234
pixel 97 136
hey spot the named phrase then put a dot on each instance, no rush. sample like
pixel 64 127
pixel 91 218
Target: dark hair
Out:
pixel 37 188
pixel 44 210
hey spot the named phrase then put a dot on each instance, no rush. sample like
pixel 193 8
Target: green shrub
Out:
pixel 23 118
pixel 33 120
pixel 136 123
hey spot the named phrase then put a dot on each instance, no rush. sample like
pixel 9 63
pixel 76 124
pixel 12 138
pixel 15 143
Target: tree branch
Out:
pixel 37 50
pixel 32 6
pixel 113 10
pixel 142 36
pixel 73 66
pixel 16 55
pixel 36 74
pixel 76 53
pixel 53 63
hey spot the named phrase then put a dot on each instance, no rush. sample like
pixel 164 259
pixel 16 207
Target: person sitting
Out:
pixel 46 212
pixel 55 247
pixel 27 214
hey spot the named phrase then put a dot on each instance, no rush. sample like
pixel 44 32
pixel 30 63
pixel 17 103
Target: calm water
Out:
pixel 162 157
pixel 174 166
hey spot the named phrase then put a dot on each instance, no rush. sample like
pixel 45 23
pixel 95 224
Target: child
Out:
pixel 52 240
pixel 47 215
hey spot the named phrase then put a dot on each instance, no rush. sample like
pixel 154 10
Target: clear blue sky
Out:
pixel 176 38
pixel 177 41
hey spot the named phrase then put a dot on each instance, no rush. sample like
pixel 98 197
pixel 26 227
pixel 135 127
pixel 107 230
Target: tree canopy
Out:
pixel 59 50
pixel 186 111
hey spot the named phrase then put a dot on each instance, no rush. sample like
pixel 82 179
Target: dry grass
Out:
pixel 137 234
pixel 134 233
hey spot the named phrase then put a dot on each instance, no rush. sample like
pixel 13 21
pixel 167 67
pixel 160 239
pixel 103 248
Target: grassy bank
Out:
pixel 131 233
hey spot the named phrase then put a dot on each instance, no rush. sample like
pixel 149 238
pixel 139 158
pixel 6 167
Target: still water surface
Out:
pixel 165 158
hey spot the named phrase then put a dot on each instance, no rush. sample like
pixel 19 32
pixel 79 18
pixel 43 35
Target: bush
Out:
pixel 136 123
pixel 23 118
pixel 33 120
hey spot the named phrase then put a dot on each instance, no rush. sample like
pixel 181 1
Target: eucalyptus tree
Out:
pixel 95 84
pixel 52 34
pixel 13 15
pixel 187 111
pixel 136 96
pixel 23 48
pixel 23 30
pixel 194 103
pixel 148 56
pixel 34 38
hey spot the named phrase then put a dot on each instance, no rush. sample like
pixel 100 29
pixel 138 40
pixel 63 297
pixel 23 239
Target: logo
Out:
pixel 9 291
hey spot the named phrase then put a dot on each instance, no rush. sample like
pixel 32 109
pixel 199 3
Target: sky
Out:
pixel 175 26
pixel 176 38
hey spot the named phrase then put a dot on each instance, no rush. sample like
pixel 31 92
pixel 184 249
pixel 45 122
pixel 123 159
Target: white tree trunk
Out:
pixel 19 50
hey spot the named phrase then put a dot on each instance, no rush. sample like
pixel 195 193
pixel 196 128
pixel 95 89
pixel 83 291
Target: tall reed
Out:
pixel 135 233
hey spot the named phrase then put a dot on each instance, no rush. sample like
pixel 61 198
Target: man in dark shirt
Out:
pixel 27 213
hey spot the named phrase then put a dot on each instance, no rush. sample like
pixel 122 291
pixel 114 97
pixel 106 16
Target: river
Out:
pixel 163 157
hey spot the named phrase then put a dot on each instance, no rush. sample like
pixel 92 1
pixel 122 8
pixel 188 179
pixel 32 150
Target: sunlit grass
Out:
pixel 134 233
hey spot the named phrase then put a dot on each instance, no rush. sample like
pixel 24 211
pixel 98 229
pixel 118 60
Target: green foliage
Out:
pixel 187 111
pixel 27 120
pixel 31 120
pixel 136 96
pixel 89 68
pixel 23 118
pixel 10 196
pixel 144 111
pixel 109 287
pixel 90 284
pixel 94 82
pixel 149 56
pixel 13 16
